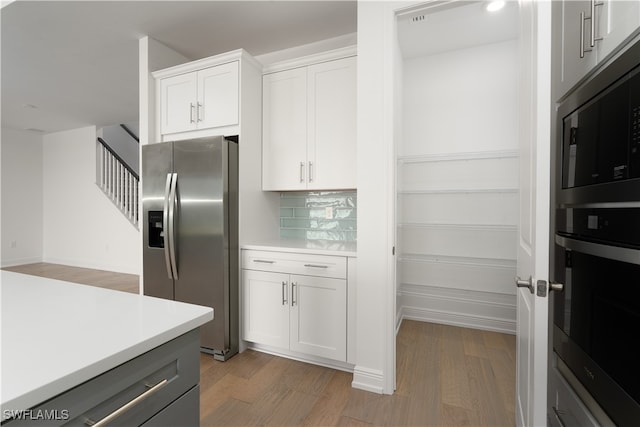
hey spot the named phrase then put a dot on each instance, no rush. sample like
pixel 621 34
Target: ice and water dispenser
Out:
pixel 156 230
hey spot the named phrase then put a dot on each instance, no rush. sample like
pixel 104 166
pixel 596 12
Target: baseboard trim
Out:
pixel 93 265
pixel 316 360
pixel 19 261
pixel 368 380
pixel 458 307
pixel 459 319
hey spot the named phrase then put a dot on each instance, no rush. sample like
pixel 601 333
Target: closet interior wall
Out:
pixel 457 187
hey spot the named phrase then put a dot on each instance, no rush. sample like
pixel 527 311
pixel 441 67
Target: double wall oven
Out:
pixel 596 250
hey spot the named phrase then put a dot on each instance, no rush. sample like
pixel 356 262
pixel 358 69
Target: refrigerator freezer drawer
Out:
pixel 295 263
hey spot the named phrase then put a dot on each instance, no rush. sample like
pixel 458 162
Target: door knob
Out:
pixel 525 283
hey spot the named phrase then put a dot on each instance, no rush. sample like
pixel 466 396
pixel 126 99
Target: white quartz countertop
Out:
pixel 320 247
pixel 57 335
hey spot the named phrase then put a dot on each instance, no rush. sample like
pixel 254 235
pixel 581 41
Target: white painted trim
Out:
pixel 223 58
pixel 447 259
pixel 461 320
pixel 368 379
pixel 304 61
pixel 473 304
pixel 19 261
pixel 301 357
pixel 461 191
pixel 453 157
pixel 91 264
pixel 475 227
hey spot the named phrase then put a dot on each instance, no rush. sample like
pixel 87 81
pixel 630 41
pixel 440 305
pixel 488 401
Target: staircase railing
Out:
pixel 117 180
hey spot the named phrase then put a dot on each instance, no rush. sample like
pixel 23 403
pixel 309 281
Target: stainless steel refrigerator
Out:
pixel 190 211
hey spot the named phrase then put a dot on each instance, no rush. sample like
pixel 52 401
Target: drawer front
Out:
pixel 295 263
pixel 177 362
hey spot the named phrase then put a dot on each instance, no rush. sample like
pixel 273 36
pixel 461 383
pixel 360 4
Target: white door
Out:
pixel 218 94
pixel 318 316
pixel 284 130
pixel 178 103
pixel 265 308
pixel 331 109
pixel 533 242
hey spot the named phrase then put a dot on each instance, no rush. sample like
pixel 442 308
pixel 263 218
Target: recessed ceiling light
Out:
pixel 494 6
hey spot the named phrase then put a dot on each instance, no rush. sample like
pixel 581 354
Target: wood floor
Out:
pixel 446 376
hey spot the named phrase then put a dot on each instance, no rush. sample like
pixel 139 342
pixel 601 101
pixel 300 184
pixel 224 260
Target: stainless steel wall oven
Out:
pixel 596 250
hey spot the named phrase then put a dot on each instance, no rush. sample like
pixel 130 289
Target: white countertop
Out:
pixel 56 335
pixel 320 247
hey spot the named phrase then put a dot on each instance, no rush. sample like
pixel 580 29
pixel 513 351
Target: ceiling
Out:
pixel 443 27
pixel 68 64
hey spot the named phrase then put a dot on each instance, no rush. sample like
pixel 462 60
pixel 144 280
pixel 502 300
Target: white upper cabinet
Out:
pixel 218 96
pixel 590 30
pixel 284 130
pixel 619 20
pixel 200 99
pixel 309 127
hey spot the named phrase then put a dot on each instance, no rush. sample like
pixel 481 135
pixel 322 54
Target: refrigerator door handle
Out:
pixel 165 225
pixel 172 231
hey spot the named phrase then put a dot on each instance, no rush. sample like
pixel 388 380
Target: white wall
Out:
pixel 458 187
pixel 21 228
pixel 375 306
pixel 81 226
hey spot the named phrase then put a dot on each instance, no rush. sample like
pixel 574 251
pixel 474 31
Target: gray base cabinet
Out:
pixel 157 388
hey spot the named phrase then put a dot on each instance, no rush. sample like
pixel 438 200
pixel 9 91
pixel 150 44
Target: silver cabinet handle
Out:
pixel 592 36
pixel 316 266
pixel 284 293
pixel 525 283
pixel 582 18
pixel 301 171
pixel 165 225
pixel 191 111
pixel 310 171
pixel 200 114
pixel 593 23
pixel 264 261
pixel 294 295
pixel 115 414
pixel 172 233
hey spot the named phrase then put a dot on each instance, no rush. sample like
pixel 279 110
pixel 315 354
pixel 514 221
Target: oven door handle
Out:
pixel 616 253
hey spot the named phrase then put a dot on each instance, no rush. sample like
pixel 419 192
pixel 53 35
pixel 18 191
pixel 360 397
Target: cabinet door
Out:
pixel 573 66
pixel 178 103
pixel 284 130
pixel 265 307
pixel 319 316
pixel 218 94
pixel 619 19
pixel 331 133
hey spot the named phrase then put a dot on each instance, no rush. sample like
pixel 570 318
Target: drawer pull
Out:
pixel 127 406
pixel 264 261
pixel 294 294
pixel 316 266
pixel 284 293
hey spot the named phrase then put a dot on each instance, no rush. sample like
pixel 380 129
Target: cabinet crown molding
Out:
pixel 316 58
pixel 235 55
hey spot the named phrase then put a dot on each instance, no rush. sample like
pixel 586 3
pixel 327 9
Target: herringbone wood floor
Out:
pixel 446 376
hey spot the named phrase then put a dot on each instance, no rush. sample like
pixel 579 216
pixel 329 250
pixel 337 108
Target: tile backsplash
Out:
pixel 321 215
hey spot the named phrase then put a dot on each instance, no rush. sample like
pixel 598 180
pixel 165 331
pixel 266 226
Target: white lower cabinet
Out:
pixel 295 312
